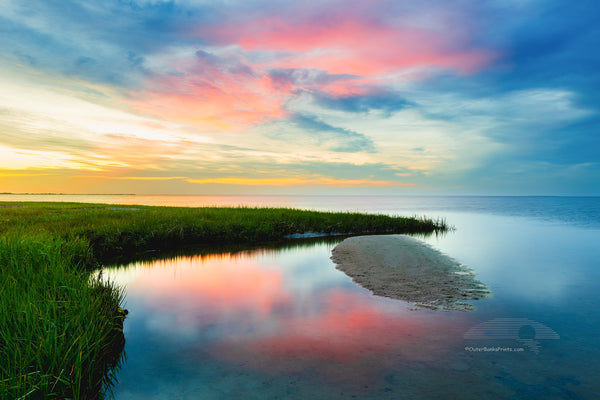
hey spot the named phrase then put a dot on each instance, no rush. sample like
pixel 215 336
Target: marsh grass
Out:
pixel 61 328
pixel 57 327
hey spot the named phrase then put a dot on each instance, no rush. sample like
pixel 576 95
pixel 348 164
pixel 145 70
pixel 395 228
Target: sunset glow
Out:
pixel 197 97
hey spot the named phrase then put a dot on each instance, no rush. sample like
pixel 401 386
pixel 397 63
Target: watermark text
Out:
pixel 494 349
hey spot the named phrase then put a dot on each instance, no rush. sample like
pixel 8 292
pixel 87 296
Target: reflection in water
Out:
pixel 288 316
pixel 284 323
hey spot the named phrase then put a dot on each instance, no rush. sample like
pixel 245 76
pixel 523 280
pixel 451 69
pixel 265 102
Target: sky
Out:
pixel 490 97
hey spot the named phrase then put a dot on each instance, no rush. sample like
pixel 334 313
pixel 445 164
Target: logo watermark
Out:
pixel 525 331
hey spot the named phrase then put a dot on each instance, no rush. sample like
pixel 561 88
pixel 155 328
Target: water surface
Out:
pixel 284 323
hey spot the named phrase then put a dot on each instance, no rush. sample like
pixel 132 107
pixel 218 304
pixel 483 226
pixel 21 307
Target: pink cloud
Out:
pixel 347 44
pixel 211 99
pixel 234 88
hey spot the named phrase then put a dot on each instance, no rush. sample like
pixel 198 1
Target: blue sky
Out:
pixel 208 97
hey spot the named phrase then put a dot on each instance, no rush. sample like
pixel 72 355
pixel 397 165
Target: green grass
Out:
pixel 57 324
pixel 60 330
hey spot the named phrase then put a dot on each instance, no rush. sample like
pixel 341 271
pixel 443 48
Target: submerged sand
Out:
pixel 402 267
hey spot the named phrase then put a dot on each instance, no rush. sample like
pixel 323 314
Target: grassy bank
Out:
pixel 58 326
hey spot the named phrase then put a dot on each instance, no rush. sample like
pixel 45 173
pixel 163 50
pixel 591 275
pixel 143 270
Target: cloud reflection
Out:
pixel 215 286
pixel 244 309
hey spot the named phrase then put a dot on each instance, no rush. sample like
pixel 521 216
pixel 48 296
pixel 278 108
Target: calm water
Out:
pixel 284 323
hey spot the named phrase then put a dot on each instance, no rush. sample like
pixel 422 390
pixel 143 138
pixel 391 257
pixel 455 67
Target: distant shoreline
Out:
pixel 457 196
pixel 70 194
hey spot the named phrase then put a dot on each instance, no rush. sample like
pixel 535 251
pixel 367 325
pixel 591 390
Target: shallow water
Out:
pixel 286 324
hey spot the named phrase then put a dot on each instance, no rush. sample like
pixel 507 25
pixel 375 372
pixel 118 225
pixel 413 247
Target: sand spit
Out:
pixel 402 267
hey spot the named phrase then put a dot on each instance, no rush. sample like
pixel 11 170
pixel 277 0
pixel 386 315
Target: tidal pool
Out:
pixel 285 323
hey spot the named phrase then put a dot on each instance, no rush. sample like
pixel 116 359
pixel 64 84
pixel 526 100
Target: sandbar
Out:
pixel 405 268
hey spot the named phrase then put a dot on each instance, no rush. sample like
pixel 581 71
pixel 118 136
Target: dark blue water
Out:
pixel 284 323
